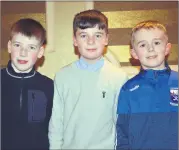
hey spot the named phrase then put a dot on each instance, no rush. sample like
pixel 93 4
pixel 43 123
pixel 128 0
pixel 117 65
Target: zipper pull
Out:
pixel 21 99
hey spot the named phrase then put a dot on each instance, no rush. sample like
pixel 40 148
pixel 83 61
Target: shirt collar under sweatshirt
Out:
pixel 12 73
pixel 82 64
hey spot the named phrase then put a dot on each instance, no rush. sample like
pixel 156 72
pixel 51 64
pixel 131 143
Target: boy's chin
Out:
pixel 21 69
pixel 25 70
pixel 93 59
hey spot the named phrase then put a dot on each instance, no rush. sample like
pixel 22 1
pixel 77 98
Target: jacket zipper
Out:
pixel 21 94
pixel 155 74
pixel 32 107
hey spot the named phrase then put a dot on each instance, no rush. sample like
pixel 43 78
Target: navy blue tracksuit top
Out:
pixel 148 112
pixel 26 105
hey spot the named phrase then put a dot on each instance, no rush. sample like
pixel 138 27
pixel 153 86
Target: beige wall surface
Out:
pixel 58 21
pixel 123 16
pixel 60 50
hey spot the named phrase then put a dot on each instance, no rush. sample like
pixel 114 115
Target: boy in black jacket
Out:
pixel 27 95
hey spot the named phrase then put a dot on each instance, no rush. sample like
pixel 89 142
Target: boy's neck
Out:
pixel 84 65
pixel 18 71
pixel 90 62
pixel 162 68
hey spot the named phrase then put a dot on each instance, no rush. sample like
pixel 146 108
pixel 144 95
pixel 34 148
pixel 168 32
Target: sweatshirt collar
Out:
pixel 12 73
pixel 82 64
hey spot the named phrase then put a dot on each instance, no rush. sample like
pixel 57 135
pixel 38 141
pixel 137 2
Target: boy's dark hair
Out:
pixel 89 19
pixel 29 27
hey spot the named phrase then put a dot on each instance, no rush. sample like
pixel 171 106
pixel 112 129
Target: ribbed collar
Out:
pixel 150 73
pixel 14 74
pixel 82 64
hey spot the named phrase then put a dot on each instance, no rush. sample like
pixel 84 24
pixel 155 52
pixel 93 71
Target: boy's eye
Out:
pixel 32 48
pixel 83 36
pixel 98 35
pixel 157 43
pixel 16 45
pixel 142 45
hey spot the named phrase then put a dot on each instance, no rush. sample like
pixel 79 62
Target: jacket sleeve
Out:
pixel 122 124
pixel 55 133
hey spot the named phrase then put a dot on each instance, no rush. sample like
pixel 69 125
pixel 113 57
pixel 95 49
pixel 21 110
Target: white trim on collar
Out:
pixel 20 77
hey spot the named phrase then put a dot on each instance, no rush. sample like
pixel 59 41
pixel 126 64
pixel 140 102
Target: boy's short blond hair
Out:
pixel 149 24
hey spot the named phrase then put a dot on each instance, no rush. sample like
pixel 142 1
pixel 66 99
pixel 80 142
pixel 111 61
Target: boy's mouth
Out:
pixel 91 49
pixel 152 57
pixel 22 61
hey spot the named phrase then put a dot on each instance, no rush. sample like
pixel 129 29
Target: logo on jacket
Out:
pixel 174 96
pixel 134 88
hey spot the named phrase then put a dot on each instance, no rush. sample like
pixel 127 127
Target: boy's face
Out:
pixel 24 52
pixel 150 47
pixel 90 43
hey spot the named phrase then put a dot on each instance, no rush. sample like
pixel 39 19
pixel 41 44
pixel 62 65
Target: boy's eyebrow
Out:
pixel 157 39
pixel 15 42
pixel 140 42
pixel 145 40
pixel 95 32
pixel 28 44
pixel 100 32
pixel 82 32
pixel 33 45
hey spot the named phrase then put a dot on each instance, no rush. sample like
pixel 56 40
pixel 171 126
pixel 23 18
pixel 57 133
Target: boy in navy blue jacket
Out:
pixel 26 95
pixel 148 103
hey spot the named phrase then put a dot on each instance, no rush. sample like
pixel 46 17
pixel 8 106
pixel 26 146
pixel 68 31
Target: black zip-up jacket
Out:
pixel 26 105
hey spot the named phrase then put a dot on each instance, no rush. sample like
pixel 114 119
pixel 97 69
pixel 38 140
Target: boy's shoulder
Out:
pixel 3 69
pixel 66 68
pixel 173 79
pixel 136 80
pixel 43 78
pixel 113 69
pixel 132 82
pixel 66 71
pixel 174 74
pixel 38 76
pixel 3 72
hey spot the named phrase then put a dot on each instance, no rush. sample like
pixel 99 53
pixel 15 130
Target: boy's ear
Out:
pixel 9 46
pixel 74 41
pixel 168 47
pixel 107 39
pixel 133 53
pixel 41 52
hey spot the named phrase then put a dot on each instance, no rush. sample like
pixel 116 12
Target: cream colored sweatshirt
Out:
pixel 84 107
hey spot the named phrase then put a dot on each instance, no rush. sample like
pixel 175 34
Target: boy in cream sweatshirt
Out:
pixel 84 107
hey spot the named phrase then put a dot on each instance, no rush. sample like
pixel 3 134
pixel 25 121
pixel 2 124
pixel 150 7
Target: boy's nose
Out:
pixel 91 40
pixel 23 52
pixel 150 48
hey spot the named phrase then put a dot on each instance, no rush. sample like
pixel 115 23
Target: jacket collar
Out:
pixel 12 73
pixel 153 74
